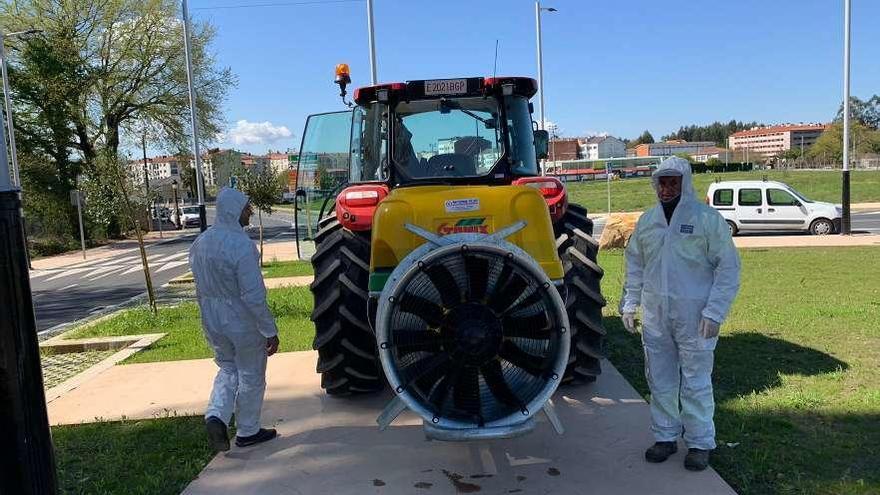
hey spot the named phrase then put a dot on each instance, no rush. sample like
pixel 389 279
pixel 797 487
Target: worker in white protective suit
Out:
pixel 683 270
pixel 236 321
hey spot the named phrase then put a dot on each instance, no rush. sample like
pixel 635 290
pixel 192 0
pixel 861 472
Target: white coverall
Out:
pixel 235 316
pixel 680 273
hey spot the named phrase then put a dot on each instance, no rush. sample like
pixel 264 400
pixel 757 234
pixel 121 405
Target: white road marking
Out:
pixel 524 461
pixel 132 269
pixel 41 273
pixel 488 461
pixel 66 273
pixel 113 270
pixel 172 264
pixel 93 275
pixel 69 287
pixel 173 257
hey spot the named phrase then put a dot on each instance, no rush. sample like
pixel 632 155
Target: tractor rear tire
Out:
pixel 348 358
pixel 584 302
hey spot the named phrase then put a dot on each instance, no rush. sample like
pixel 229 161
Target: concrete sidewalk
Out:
pixel 332 445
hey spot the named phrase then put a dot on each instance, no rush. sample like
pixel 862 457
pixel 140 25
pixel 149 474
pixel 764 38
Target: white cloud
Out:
pixel 596 133
pixel 249 133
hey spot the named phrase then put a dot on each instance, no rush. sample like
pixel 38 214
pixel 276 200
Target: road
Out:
pixel 75 291
pixel 863 222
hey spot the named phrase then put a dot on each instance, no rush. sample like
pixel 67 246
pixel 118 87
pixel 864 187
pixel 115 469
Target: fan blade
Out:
pixel 533 326
pixel 441 389
pixel 478 277
pixel 506 294
pixel 535 297
pixel 466 393
pixel 533 365
pixel 495 380
pixel 445 284
pixel 426 371
pixel 407 342
pixel 427 310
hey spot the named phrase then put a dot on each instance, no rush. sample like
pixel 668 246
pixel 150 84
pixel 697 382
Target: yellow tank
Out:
pixel 462 209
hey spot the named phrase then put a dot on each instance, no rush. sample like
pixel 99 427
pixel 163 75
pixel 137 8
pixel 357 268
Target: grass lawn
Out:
pixel 291 306
pixel 295 268
pixel 156 456
pixel 637 194
pixel 796 378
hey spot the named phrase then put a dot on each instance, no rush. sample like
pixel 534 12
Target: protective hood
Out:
pixel 675 166
pixel 230 203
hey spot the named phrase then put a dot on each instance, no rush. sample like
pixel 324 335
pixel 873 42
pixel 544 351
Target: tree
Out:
pixel 685 156
pixel 716 132
pixel 645 138
pixel 829 146
pixel 101 65
pixel 263 189
pixel 714 162
pixel 866 112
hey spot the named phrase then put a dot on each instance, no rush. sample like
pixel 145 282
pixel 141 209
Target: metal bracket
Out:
pixel 428 236
pixel 391 412
pixel 550 412
pixel 508 231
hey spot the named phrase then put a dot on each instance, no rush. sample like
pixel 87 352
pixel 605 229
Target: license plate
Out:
pixel 446 87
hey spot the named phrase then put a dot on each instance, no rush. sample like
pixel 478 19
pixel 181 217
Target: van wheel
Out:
pixel 821 226
pixel 733 229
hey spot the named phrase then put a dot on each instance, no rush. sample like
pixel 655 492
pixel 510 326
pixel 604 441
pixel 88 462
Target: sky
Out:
pixel 616 67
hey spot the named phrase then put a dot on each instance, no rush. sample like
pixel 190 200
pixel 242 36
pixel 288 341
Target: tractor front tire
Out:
pixel 584 302
pixel 347 355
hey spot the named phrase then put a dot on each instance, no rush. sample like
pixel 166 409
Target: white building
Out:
pixel 278 162
pixel 774 140
pixel 597 147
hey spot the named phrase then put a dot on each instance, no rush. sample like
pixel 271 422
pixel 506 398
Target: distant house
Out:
pixel 563 149
pixel 598 147
pixel 770 141
pixel 703 155
pixel 672 147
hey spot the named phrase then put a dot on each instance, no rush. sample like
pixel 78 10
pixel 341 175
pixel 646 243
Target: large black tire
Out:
pixel 584 302
pixel 348 358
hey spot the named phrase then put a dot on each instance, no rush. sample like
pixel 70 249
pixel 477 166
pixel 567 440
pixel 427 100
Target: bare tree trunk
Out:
pixel 129 213
pixel 260 216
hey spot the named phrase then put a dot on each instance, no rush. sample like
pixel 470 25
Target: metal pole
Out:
pixel 146 176
pixel 193 118
pixel 373 78
pixel 608 179
pixel 845 226
pixel 27 459
pixel 8 102
pixel 540 63
pixel 79 213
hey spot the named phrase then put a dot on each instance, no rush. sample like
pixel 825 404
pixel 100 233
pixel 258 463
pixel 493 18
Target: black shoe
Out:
pixel 264 435
pixel 660 451
pixel 696 459
pixel 218 437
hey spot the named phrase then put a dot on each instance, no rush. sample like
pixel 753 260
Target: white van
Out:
pixel 771 206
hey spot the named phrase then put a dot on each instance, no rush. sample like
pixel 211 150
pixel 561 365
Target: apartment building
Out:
pixel 773 140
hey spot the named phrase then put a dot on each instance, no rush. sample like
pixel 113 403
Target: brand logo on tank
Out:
pixel 464 226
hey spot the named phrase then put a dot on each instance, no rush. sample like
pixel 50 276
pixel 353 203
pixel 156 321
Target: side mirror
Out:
pixel 542 143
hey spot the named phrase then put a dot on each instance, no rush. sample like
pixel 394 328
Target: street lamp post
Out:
pixel 16 179
pixel 27 460
pixel 200 189
pixel 538 10
pixel 373 69
pixel 845 225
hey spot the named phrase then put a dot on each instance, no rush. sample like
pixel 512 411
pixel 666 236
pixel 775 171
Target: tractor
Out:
pixel 446 267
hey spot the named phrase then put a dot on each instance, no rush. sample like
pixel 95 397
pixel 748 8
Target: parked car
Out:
pixel 771 206
pixel 190 216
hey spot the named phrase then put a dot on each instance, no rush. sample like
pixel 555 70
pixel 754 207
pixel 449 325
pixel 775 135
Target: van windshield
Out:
pixel 799 195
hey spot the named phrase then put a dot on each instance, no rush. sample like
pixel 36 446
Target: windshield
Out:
pixel 192 210
pixel 799 195
pixel 446 138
